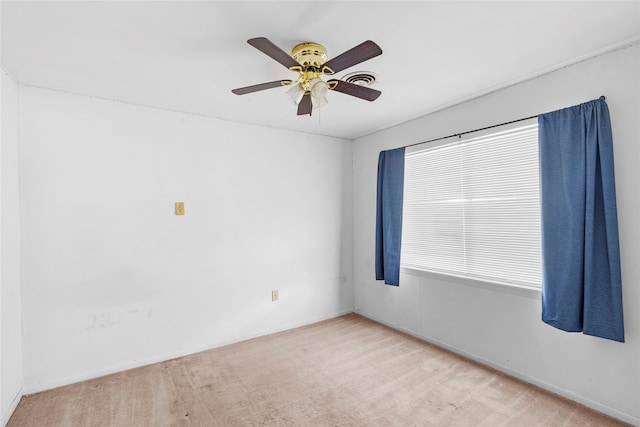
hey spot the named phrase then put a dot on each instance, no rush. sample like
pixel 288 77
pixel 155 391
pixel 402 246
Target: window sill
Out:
pixel 508 288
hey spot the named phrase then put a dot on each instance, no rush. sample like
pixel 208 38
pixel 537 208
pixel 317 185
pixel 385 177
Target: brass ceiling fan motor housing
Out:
pixel 310 54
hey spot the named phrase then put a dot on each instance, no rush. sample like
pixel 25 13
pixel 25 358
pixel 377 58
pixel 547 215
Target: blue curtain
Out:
pixel 389 215
pixel 582 289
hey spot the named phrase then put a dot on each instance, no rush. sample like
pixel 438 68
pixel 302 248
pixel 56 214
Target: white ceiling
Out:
pixel 187 56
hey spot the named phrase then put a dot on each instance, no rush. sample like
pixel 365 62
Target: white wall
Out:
pixel 503 328
pixel 10 309
pixel 113 279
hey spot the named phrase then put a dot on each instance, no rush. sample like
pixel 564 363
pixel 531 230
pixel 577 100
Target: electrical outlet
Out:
pixel 274 295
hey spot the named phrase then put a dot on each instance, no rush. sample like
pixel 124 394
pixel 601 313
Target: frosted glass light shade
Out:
pixel 319 90
pixel 295 93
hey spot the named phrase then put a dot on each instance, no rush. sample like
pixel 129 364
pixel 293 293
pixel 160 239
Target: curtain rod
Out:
pixel 470 131
pixel 602 98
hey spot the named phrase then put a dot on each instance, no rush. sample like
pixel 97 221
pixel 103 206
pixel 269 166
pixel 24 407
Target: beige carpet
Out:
pixel 347 371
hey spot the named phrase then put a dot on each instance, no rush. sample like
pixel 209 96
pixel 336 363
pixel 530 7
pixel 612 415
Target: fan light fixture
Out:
pixel 311 57
pixel 309 60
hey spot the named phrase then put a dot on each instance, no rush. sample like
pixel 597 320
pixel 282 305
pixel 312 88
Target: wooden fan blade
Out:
pixel 261 86
pixel 304 107
pixel 354 90
pixel 267 47
pixel 356 55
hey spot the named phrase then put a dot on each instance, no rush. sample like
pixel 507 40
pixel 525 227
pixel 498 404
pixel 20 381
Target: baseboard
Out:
pixel 10 410
pixel 305 322
pixel 39 386
pixel 567 394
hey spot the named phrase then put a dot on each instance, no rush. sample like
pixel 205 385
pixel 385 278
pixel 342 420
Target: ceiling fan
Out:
pixel 311 62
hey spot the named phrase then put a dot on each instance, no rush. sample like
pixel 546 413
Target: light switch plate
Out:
pixel 179 208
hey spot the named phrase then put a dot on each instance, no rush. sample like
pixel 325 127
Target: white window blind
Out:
pixel 472 208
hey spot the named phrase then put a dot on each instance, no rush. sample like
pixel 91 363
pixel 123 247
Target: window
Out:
pixel 472 208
